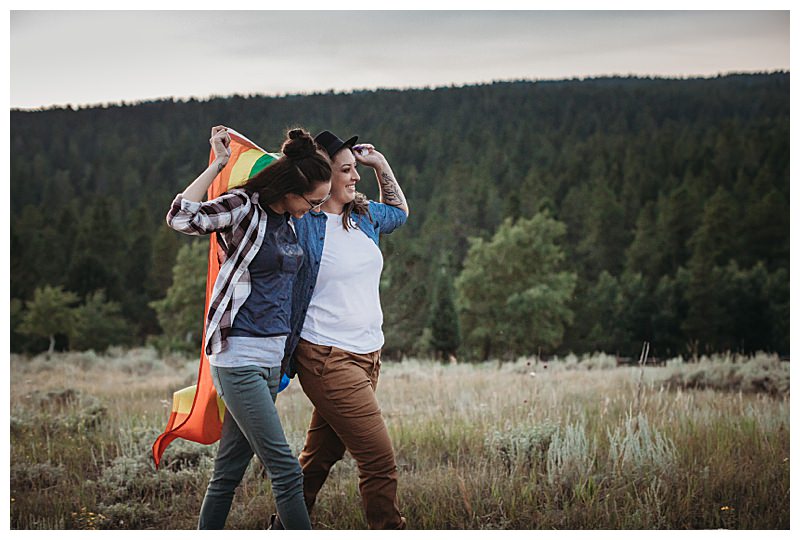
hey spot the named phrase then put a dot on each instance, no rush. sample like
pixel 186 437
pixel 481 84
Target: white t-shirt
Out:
pixel 345 309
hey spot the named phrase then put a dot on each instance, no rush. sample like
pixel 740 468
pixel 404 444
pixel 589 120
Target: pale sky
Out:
pixel 91 57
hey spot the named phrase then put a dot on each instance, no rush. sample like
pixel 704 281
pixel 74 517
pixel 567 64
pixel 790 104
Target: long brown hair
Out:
pixel 359 205
pixel 302 165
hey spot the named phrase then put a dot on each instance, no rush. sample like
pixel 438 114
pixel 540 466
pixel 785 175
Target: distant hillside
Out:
pixel 662 183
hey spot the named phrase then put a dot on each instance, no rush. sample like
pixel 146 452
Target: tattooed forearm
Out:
pixel 391 193
pixel 220 166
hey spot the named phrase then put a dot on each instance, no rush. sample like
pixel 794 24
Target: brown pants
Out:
pixel 346 416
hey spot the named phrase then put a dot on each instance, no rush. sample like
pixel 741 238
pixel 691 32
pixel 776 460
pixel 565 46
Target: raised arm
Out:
pixel 189 215
pixel 220 140
pixel 390 191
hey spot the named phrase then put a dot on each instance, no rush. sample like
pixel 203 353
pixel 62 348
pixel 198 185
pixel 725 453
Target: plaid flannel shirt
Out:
pixel 240 224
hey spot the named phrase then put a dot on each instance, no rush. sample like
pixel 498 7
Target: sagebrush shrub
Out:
pixel 521 446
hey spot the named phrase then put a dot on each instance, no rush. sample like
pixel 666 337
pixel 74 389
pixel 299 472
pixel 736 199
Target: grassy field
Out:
pixel 570 444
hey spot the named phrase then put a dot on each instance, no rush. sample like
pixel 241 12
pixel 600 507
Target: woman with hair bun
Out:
pixel 248 318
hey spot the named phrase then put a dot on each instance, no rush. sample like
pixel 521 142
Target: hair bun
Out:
pixel 299 144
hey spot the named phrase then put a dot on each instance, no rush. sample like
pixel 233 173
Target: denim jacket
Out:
pixel 310 231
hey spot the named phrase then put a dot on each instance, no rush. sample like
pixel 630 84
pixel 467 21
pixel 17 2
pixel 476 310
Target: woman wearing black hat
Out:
pixel 336 339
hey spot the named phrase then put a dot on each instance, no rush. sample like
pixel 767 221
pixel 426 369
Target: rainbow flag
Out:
pixel 197 411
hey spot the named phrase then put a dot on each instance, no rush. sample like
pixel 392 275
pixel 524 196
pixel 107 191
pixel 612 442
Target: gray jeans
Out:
pixel 251 425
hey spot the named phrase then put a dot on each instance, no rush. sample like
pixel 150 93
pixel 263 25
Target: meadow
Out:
pixel 573 443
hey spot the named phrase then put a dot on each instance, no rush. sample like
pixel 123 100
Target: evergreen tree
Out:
pixel 88 273
pixel 181 312
pixel 707 321
pixel 443 321
pixel 764 233
pixel 670 312
pixel 137 274
pixel 403 288
pixel 675 223
pixel 634 311
pixel 644 254
pixel 717 237
pixel 165 248
pixel 604 237
pixel 99 251
pixel 749 323
pixel 97 324
pixel 595 311
pixel 776 294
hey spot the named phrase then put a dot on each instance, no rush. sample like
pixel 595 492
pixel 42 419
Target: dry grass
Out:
pixel 514 446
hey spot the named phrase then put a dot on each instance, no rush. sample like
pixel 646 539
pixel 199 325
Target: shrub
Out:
pixel 765 373
pixel 637 449
pixel 571 455
pixel 521 446
pixel 67 411
pixel 135 478
pixel 598 361
pixel 761 373
pixel 35 476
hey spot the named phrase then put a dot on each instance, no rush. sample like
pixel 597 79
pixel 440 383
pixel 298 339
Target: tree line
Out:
pixel 576 215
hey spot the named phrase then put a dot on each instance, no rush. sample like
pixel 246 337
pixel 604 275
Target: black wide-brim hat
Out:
pixel 332 144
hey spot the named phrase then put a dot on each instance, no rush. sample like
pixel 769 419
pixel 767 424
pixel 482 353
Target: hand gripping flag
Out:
pixel 197 411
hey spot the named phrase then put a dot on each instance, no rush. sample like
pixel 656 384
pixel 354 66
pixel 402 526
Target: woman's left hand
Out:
pixel 367 155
